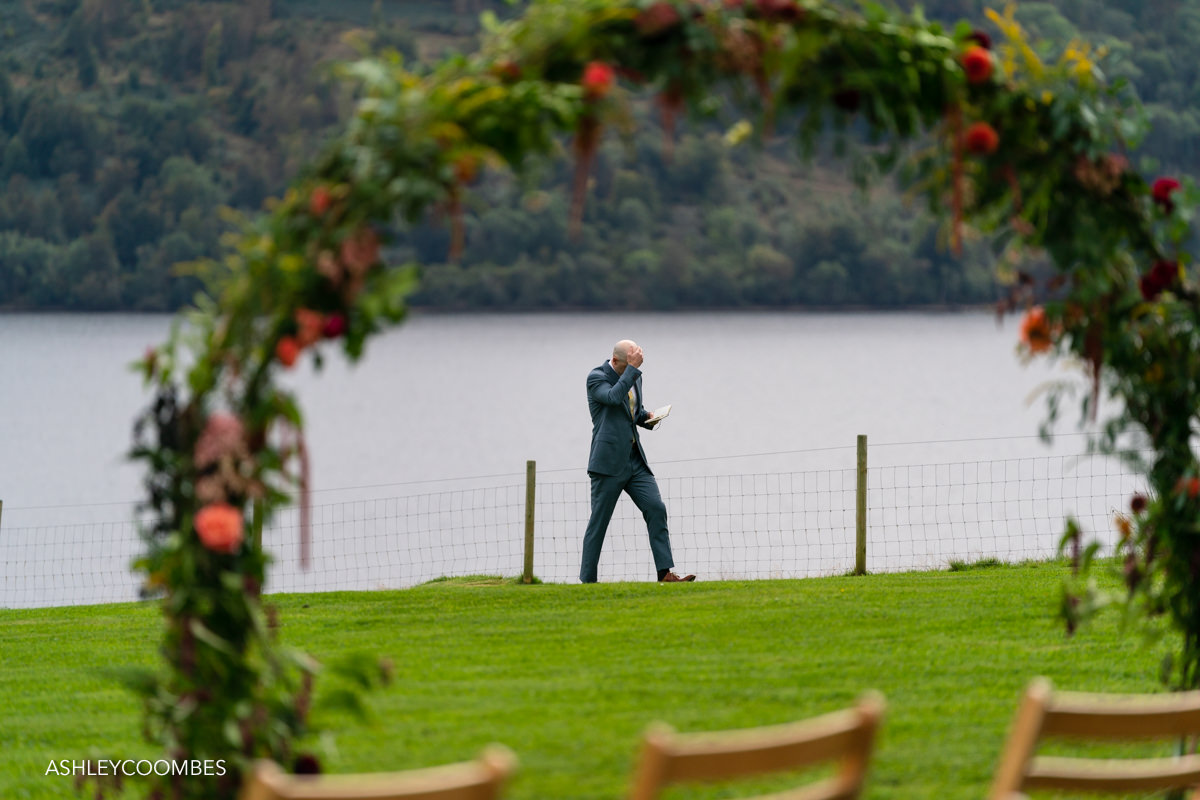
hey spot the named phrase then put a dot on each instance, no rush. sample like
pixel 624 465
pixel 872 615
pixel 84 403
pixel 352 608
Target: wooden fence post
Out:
pixel 860 550
pixel 530 483
pixel 256 524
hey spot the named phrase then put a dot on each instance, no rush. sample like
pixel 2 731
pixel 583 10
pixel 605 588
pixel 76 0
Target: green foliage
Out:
pixel 244 94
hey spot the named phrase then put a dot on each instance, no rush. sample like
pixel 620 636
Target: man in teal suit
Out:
pixel 617 462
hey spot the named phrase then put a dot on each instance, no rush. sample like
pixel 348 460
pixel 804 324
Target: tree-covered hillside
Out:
pixel 126 126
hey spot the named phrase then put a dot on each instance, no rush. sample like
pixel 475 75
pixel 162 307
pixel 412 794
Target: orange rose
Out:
pixel 1035 331
pixel 287 351
pixel 219 527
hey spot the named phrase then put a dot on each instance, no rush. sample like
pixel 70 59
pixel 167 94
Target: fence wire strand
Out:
pixel 733 526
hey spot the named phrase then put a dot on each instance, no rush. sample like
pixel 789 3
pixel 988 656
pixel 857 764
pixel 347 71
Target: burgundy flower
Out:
pixel 1160 278
pixel 980 38
pixel 1161 192
pixel 335 326
pixel 1138 503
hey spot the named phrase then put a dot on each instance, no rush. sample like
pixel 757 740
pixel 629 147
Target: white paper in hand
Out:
pixel 658 416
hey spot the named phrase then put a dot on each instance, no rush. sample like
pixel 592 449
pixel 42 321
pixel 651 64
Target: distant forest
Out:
pixel 126 125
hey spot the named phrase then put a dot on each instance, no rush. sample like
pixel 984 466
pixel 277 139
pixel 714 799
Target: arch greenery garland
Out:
pixel 1030 150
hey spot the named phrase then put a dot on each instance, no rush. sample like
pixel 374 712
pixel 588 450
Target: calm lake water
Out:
pixel 444 406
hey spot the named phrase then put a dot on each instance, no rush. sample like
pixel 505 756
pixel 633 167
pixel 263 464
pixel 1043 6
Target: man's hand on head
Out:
pixel 635 357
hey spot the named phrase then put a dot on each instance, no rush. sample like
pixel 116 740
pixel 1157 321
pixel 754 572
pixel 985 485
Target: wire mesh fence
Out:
pixel 780 524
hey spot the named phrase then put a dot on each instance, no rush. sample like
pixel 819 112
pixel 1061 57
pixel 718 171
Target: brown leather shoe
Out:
pixel 671 577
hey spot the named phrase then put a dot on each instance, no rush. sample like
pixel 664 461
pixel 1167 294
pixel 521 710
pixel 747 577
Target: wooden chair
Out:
pixel 1044 713
pixel 471 780
pixel 845 737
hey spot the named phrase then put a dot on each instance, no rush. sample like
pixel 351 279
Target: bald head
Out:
pixel 626 352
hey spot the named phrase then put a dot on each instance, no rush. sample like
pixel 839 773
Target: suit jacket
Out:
pixel 614 427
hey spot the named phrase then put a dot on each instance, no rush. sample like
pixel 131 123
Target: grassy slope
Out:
pixel 568 676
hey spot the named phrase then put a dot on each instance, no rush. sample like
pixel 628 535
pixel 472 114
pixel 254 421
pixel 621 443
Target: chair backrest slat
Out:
pixel 846 737
pixel 1124 775
pixel 765 750
pixel 481 779
pixel 1045 714
pixel 1123 716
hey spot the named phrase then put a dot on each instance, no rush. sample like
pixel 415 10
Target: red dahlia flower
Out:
pixel 597 80
pixel 977 63
pixel 982 139
pixel 1161 192
pixel 287 351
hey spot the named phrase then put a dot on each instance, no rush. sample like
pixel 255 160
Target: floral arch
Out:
pixel 1030 150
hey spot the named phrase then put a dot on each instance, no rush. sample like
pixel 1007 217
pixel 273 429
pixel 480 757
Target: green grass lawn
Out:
pixel 569 676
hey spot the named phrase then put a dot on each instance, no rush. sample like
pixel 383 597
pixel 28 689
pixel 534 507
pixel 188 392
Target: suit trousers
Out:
pixel 639 483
